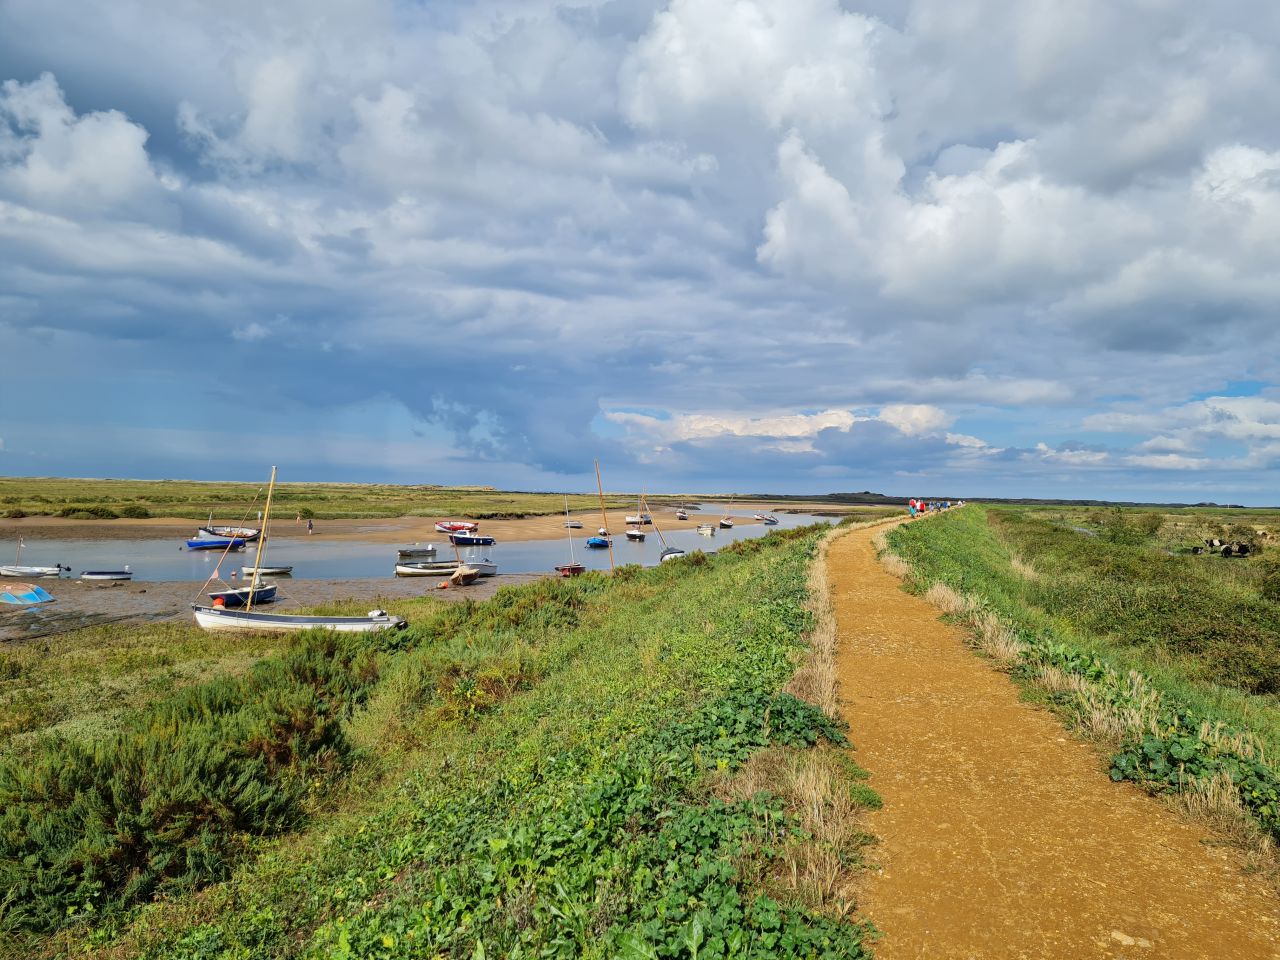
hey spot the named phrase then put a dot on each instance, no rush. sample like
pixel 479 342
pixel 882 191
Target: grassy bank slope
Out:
pixel 1169 661
pixel 559 771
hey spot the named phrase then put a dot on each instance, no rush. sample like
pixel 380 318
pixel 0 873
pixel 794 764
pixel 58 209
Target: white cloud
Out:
pixel 916 418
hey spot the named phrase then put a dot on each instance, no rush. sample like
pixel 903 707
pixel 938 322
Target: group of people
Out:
pixel 918 507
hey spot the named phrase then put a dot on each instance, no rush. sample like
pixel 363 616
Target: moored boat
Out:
pixel 417 551
pixel 471 540
pixel 573 524
pixel 706 529
pixel 598 543
pixel 483 568
pixel 125 574
pixel 216 543
pixel 22 570
pixel 245 596
pixel 671 553
pixel 635 534
pixel 766 518
pixel 726 523
pixel 427 568
pixel 266 571
pixel 573 569
pixel 225 619
pixel 247 534
pixel 456 526
pixel 682 514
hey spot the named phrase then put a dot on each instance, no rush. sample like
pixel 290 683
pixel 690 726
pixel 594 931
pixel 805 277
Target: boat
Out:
pixel 573 569
pixel 125 574
pixel 18 569
pixel 599 543
pixel 247 534
pixel 670 553
pixel 471 540
pixel 464 576
pixel 635 534
pixel 24 594
pixel 416 552
pixel 225 619
pixel 483 568
pixel 573 524
pixel 766 518
pixel 706 529
pixel 266 571
pixel 245 596
pixel 218 543
pixel 682 514
pixel 602 540
pixel 456 526
pixel 427 568
pixel 726 521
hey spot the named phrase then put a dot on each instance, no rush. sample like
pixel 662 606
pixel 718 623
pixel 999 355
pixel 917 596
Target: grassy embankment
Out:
pixel 136 499
pixel 605 766
pixel 1169 661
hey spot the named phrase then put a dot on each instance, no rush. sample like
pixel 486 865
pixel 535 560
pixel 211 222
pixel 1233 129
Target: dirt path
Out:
pixel 1001 837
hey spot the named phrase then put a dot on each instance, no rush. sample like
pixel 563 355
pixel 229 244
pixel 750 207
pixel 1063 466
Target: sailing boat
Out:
pixel 726 522
pixel 223 618
pixel 603 540
pixel 569 522
pixel 17 570
pixel 668 552
pixel 256 592
pixel 573 567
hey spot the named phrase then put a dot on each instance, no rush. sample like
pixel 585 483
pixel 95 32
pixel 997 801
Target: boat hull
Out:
pixel 597 543
pixel 636 535
pixel 216 544
pixel 24 594
pixel 443 569
pixel 247 534
pixel 471 540
pixel 726 524
pixel 267 571
pixel 240 597
pixel 17 570
pixel 242 621
pixel 106 575
pixel 671 553
pixel 456 526
pixel 415 553
pixel 570 569
pixel 707 530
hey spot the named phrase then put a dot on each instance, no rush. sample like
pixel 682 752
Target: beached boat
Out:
pixel 247 534
pixel 766 518
pixel 125 574
pixel 427 568
pixel 22 570
pixel 483 568
pixel 471 540
pixel 245 596
pixel 682 514
pixel 726 523
pixel 224 619
pixel 24 594
pixel 456 526
pixel 417 551
pixel 706 529
pixel 671 553
pixel 266 571
pixel 573 524
pixel 464 576
pixel 573 569
pixel 216 543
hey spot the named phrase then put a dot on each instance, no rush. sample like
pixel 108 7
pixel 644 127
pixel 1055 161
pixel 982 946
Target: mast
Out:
pixel 603 516
pixel 262 541
pixel 18 555
pixel 656 529
pixel 568 528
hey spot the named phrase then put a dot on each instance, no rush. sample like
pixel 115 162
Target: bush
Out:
pixel 88 513
pixel 134 511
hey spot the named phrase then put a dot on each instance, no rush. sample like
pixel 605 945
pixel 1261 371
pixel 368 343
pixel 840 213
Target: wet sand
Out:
pixel 399 530
pixel 79 604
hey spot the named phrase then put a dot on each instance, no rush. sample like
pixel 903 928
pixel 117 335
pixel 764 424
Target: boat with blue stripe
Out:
pixel 216 543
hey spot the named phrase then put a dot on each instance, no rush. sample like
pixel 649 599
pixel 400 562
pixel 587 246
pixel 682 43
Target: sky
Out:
pixel 935 247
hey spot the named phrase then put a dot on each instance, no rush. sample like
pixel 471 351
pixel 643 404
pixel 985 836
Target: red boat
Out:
pixel 569 569
pixel 456 526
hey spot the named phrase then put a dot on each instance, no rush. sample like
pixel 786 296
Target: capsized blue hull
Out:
pixel 24 594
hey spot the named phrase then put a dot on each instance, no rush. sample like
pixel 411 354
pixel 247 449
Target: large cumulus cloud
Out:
pixel 1003 245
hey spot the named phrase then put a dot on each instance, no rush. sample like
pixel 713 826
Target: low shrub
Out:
pixel 134 511
pixel 88 513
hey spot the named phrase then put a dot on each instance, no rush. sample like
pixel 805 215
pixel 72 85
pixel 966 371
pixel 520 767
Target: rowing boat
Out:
pixel 456 526
pixel 266 571
pixel 217 543
pixel 221 618
pixel 125 574
pixel 245 596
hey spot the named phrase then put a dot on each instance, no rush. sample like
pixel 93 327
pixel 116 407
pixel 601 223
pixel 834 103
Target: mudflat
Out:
pixel 1001 836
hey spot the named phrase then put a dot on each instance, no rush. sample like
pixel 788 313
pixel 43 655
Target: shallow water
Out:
pixel 333 559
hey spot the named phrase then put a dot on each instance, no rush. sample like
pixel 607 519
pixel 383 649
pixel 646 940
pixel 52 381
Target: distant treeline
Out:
pixel 867 497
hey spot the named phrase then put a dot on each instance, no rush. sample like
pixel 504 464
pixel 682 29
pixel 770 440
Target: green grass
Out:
pixel 530 775
pixel 1197 632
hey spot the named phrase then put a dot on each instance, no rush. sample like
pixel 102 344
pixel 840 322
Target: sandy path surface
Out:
pixel 401 530
pixel 1000 836
pixel 85 604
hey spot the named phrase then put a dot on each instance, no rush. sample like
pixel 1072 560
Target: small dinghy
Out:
pixel 216 543
pixel 671 553
pixel 570 569
pixel 573 524
pixel 266 571
pixel 125 574
pixel 251 621
pixel 484 568
pixel 598 543
pixel 464 576
pixel 706 529
pixel 417 551
pixel 456 526
pixel 427 568
pixel 766 518
pixel 471 540
pixel 245 596
pixel 24 594
pixel 635 534
pixel 682 515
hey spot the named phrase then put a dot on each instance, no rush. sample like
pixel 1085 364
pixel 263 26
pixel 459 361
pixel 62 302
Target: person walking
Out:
pixel 310 526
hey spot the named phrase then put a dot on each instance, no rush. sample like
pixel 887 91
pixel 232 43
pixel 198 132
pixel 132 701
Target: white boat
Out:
pixel 633 518
pixel 635 534
pixel 766 518
pixel 125 574
pixel 681 514
pixel 246 621
pixel 670 553
pixel 266 571
pixel 18 570
pixel 456 526
pixel 427 568
pixel 483 568
pixel 706 529
pixel 726 523
pixel 417 551
pixel 239 533
pixel 573 524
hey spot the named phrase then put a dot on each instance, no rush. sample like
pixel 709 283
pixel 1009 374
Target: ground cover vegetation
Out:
pixel 1169 660
pixel 604 766
pixel 111 499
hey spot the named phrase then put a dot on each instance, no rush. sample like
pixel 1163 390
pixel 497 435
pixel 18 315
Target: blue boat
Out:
pixel 240 596
pixel 471 540
pixel 24 594
pixel 216 543
pixel 598 543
